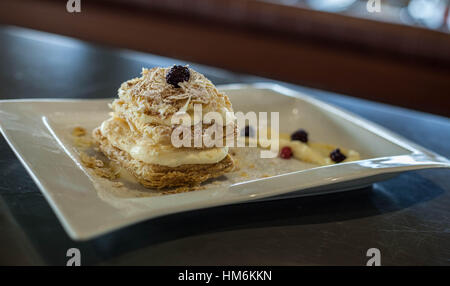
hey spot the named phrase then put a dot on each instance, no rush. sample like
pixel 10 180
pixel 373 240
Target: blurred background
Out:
pixel 397 52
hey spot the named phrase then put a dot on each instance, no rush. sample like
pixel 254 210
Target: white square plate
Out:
pixel 37 131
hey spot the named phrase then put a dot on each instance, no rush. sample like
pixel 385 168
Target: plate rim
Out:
pixel 420 157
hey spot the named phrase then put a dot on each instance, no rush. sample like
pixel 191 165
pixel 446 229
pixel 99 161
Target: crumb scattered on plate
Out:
pixel 80 139
pixel 78 131
pixel 109 171
pixel 117 184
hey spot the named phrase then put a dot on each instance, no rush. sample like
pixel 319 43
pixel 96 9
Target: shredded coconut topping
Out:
pixel 150 94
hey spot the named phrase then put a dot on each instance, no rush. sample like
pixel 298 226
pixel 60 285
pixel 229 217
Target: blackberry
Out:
pixel 337 156
pixel 177 74
pixel 300 135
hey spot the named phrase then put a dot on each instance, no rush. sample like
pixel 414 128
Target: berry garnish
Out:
pixel 300 135
pixel 177 74
pixel 286 152
pixel 248 131
pixel 337 156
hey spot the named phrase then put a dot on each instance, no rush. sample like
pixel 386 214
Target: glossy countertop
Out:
pixel 407 218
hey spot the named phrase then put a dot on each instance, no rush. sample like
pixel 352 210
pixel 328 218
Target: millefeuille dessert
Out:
pixel 138 133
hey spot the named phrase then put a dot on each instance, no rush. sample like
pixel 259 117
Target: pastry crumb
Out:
pixel 99 167
pixel 244 174
pixel 81 140
pixel 78 131
pixel 117 184
pixel 99 163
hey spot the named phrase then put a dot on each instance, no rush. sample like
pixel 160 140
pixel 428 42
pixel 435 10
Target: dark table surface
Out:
pixel 407 218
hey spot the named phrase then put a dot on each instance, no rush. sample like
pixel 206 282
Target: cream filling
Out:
pixel 118 134
pixel 176 157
